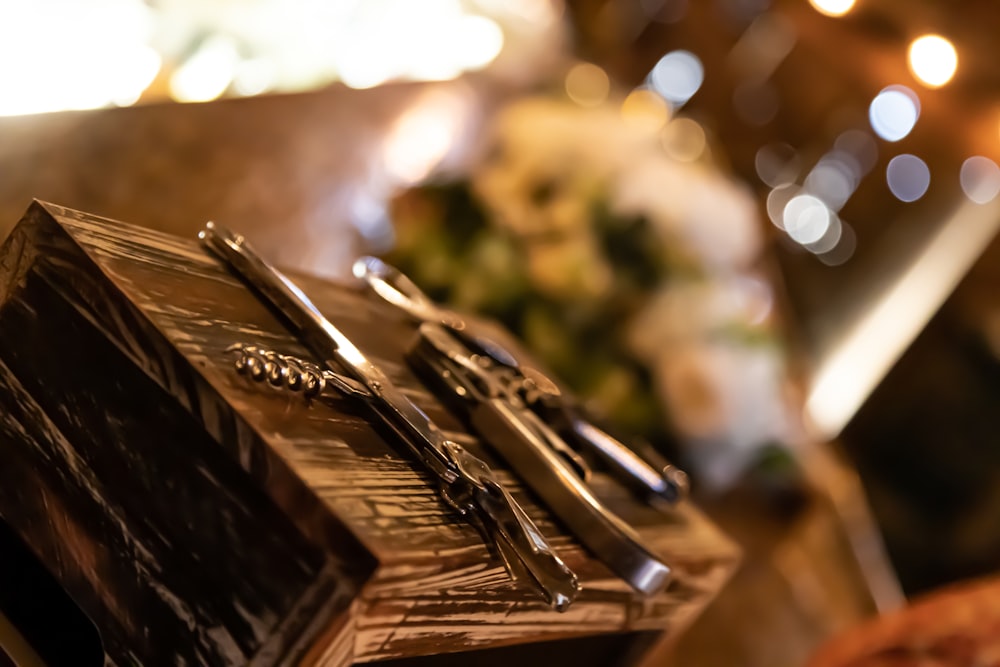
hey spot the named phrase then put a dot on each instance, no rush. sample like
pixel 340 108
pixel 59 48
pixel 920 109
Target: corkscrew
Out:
pixel 292 373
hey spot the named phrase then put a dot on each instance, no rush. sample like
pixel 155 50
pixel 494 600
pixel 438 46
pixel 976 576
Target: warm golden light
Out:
pixel 424 134
pixel 832 7
pixel 94 55
pixel 587 85
pixel 644 108
pixel 684 139
pixel 207 73
pixel 399 41
pixel 933 60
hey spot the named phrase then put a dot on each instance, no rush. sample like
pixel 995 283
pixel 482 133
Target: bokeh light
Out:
pixel 777 200
pixel 777 164
pixel 207 73
pixel 908 177
pixel 424 134
pixel 255 76
pixel 980 178
pixel 894 112
pixel 111 52
pixel 645 109
pixel 806 218
pixel 932 60
pixel 74 55
pixel 677 76
pixel 684 139
pixel 844 250
pixel 762 47
pixel 399 40
pixel 832 7
pixel 587 85
pixel 834 178
pixel 831 237
pixel 861 146
pixel 479 41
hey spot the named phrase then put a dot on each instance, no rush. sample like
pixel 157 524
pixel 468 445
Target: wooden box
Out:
pixel 198 518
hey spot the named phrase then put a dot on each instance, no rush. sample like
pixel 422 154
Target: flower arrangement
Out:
pixel 629 272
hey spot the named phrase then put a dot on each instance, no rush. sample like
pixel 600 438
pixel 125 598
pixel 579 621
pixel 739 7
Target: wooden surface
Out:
pixel 162 539
pixel 172 310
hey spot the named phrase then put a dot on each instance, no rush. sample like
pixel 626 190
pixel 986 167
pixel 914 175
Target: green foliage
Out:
pixel 452 249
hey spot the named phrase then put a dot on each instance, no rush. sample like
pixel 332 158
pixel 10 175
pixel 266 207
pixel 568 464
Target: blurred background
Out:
pixel 756 234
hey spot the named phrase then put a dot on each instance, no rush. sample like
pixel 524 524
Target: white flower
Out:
pixel 708 214
pixel 684 311
pixel 551 160
pixel 727 400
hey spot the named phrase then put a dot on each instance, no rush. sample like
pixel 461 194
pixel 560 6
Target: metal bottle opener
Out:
pixel 659 480
pixel 486 385
pixel 467 483
pixel 469 383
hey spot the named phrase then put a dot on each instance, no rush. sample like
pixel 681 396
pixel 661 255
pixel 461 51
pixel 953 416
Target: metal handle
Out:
pixel 532 449
pixel 602 531
pixel 668 483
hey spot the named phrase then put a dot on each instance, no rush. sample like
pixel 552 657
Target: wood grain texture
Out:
pixel 160 536
pixel 430 584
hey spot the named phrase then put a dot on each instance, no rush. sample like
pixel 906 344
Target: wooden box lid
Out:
pixel 376 565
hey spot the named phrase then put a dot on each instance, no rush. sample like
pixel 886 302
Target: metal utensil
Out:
pixel 660 480
pixel 469 383
pixel 467 483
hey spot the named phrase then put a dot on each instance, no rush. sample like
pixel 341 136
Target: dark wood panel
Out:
pixel 180 557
